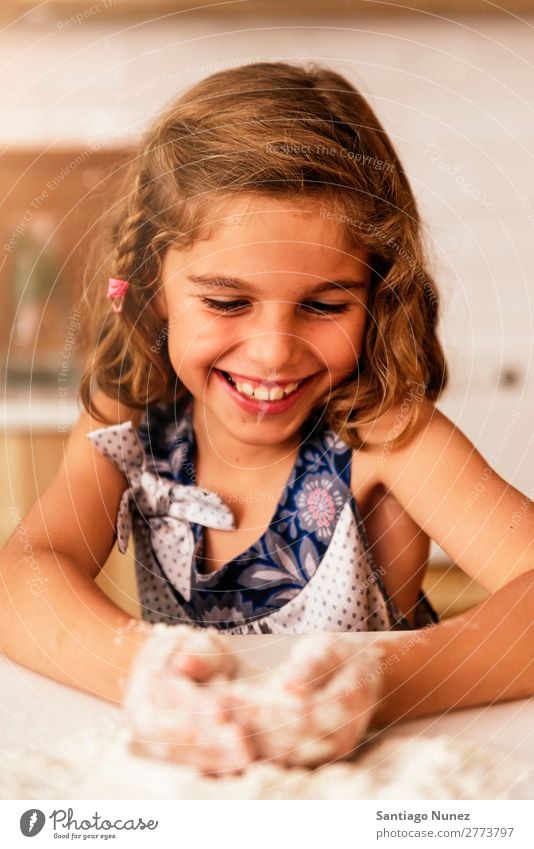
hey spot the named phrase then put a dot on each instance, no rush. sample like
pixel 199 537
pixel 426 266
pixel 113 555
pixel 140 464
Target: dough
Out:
pixel 310 708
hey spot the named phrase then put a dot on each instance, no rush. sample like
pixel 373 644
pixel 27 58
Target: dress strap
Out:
pixel 166 507
pixel 120 444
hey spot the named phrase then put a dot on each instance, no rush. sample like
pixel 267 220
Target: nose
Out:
pixel 274 346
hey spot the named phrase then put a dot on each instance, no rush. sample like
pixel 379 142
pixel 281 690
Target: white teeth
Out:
pixel 290 388
pixel 276 394
pixel 264 393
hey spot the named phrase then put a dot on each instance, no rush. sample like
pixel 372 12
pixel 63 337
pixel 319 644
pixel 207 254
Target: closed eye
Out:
pixel 315 307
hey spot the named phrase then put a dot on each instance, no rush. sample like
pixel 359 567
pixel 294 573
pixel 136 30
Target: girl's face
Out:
pixel 265 316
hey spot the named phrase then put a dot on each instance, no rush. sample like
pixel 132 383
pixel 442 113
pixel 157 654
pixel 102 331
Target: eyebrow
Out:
pixel 223 281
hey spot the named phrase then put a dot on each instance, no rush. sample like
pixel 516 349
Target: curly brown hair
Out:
pixel 282 130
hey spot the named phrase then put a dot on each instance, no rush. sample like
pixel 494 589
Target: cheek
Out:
pixel 340 344
pixel 197 341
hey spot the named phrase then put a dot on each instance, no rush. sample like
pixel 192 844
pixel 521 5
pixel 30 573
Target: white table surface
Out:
pixel 35 711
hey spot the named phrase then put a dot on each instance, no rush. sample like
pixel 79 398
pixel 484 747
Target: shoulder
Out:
pixel 76 513
pixel 109 411
pixel 447 487
pixel 386 428
pixel 81 456
pixel 383 457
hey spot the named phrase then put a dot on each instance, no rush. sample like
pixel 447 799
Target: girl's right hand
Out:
pixel 172 715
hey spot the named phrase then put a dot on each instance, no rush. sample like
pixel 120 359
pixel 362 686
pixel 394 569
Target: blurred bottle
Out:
pixel 38 303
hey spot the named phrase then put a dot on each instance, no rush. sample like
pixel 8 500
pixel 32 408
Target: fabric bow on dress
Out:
pixel 164 507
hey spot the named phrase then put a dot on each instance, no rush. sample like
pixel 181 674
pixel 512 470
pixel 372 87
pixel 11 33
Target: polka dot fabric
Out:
pixel 311 570
pixel 165 508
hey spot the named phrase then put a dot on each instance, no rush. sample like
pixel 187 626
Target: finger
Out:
pixel 194 666
pixel 202 659
pixel 311 673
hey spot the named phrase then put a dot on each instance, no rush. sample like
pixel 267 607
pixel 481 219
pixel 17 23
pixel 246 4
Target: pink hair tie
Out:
pixel 116 291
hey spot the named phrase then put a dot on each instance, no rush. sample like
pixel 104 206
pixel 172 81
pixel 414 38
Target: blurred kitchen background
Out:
pixel 452 82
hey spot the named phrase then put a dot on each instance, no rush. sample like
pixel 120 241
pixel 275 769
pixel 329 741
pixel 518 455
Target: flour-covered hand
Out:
pixel 316 708
pixel 179 705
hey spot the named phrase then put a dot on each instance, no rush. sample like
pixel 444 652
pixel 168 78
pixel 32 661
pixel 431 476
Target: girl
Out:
pixel 259 412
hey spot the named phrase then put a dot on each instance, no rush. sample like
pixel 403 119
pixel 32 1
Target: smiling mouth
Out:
pixel 262 392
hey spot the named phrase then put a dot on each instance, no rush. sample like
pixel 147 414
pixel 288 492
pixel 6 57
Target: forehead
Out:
pixel 263 235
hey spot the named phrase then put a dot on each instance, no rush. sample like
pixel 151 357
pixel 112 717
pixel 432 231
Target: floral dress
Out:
pixel 311 570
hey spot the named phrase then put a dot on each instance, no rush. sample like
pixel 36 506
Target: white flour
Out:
pixel 99 765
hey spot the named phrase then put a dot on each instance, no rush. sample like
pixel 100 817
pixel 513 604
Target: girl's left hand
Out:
pixel 317 708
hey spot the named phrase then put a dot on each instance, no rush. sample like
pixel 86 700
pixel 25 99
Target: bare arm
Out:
pixel 70 631
pixel 440 479
pixel 481 656
pixel 486 526
pixel 54 619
